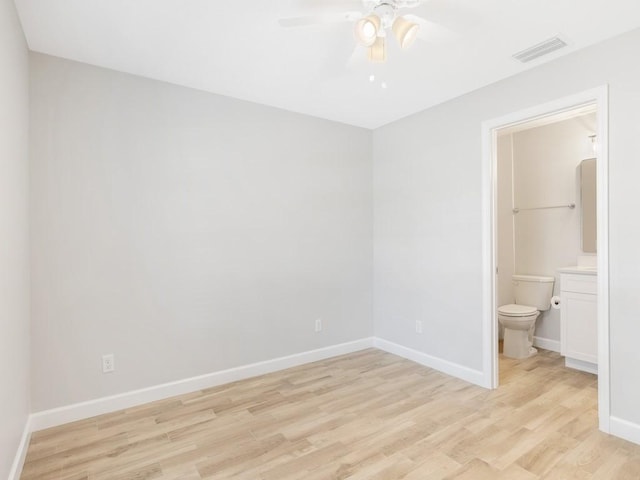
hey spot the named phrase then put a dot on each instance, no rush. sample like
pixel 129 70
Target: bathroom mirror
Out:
pixel 588 203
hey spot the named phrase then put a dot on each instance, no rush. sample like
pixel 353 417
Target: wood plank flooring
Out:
pixel 368 415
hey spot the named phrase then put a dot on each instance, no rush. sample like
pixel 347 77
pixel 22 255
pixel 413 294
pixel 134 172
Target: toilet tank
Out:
pixel 533 290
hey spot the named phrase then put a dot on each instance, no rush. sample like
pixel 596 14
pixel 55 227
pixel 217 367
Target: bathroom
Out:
pixel 546 228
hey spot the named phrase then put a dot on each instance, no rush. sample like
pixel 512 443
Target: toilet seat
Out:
pixel 514 310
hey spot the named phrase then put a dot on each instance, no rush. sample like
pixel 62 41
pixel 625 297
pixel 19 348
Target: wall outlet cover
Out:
pixel 108 363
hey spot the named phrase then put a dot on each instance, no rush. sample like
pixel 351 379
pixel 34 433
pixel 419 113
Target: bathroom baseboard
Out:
pixel 624 429
pixel 581 365
pixel 547 344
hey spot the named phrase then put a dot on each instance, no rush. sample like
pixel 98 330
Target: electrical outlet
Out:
pixel 418 326
pixel 318 324
pixel 108 364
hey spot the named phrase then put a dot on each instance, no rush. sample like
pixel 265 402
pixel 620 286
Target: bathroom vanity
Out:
pixel 579 318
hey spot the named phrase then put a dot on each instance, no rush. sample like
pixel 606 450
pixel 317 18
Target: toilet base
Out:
pixel 517 344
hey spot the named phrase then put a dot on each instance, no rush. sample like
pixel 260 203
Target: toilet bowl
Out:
pixel 532 296
pixel 519 322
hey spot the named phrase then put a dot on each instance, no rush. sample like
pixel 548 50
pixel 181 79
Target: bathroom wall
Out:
pixel 14 230
pixel 544 172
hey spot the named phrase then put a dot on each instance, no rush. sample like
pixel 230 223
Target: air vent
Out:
pixel 540 49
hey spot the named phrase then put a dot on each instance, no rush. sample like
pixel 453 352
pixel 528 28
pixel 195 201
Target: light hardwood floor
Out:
pixel 368 415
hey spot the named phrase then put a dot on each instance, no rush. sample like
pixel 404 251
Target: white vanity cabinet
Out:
pixel 579 319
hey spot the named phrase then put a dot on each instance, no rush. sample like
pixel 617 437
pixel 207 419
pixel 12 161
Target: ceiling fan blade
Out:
pixel 339 61
pixel 357 59
pixel 430 31
pixel 322 19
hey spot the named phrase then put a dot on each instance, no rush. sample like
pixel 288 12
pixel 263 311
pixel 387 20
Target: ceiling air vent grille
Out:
pixel 540 49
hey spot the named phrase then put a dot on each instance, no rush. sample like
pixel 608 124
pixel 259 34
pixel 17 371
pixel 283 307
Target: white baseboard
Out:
pixel 99 406
pixel 21 454
pixel 547 344
pixel 79 411
pixel 624 429
pixel 581 365
pixel 465 373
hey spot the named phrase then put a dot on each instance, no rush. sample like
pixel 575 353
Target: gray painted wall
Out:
pixel 14 246
pixel 186 232
pixel 428 212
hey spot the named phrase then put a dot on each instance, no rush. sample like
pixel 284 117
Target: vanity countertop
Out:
pixel 579 270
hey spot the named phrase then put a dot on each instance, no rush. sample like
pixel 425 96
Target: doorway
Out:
pixel 597 100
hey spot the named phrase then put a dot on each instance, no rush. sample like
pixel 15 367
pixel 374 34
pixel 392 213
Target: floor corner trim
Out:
pixel 21 454
pixel 470 375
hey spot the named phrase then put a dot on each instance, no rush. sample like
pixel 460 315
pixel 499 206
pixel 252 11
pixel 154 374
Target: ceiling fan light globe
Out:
pixel 377 52
pixel 366 30
pixel 405 31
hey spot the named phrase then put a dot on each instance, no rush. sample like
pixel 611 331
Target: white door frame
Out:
pixel 598 97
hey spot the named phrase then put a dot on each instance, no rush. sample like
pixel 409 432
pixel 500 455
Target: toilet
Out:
pixel 532 296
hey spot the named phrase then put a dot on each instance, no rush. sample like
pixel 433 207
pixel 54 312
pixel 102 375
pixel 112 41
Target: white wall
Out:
pixel 428 212
pixel 186 232
pixel 542 166
pixel 14 246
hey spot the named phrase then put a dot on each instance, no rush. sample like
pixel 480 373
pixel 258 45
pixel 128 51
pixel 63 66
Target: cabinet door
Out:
pixel 579 318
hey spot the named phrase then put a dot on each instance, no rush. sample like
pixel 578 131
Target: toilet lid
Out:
pixel 517 310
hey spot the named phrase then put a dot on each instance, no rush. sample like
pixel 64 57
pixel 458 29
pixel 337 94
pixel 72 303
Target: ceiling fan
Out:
pixel 378 20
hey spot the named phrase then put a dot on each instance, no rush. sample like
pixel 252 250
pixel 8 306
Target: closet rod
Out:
pixel 571 205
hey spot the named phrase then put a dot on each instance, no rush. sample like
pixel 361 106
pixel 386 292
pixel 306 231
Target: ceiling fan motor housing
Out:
pixel 387 14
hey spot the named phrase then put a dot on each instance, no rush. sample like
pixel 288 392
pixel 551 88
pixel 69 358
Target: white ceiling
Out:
pixel 237 47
